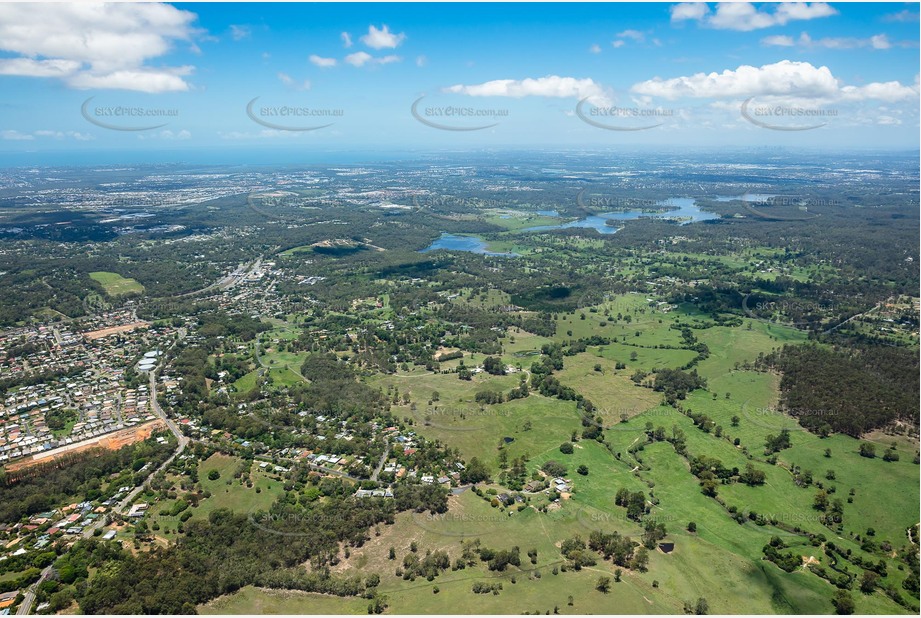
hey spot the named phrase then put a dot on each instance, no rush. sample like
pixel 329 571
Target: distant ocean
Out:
pixel 266 155
pixel 224 156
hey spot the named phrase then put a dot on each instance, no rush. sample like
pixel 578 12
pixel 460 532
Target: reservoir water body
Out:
pixel 455 242
pixel 684 209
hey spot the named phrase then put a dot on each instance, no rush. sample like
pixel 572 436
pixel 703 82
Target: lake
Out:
pixel 454 242
pixel 684 208
pixel 748 197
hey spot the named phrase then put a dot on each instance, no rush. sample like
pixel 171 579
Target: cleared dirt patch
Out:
pixel 105 332
pixel 110 441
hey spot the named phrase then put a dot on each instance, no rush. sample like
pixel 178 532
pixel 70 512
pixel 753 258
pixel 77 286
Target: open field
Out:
pixel 226 492
pixel 116 285
pixel 609 389
pixel 722 557
pixel 253 601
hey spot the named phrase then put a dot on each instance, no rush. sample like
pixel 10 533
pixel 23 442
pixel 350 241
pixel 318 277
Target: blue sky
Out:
pixel 810 75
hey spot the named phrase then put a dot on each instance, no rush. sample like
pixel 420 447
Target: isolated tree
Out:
pixel 843 602
pixel 752 476
pixel 708 487
pixel 554 468
pixel 475 472
pixel 777 443
pixel 820 503
pixel 868 582
pixel 640 559
pixel 493 365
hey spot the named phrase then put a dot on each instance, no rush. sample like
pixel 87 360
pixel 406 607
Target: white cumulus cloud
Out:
pixel 38 68
pixel 901 16
pixel 96 45
pixel 141 79
pixel 383 38
pixel 636 35
pixel 166 134
pixel 882 91
pixel 360 59
pixel 880 41
pixel 239 32
pixel 322 62
pixel 551 86
pixel 877 41
pixel 888 120
pixel 45 133
pixel 287 80
pixel 16 136
pixel 744 16
pixel 779 40
pixel 784 78
pixel 689 10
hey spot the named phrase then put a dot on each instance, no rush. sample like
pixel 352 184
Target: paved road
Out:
pixel 227 281
pixel 344 475
pixel 25 608
pixel 380 464
pixel 182 441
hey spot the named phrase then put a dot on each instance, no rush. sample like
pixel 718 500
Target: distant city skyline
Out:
pixel 276 82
